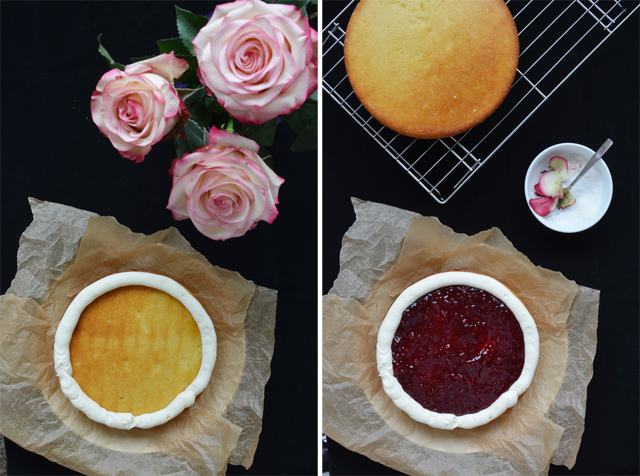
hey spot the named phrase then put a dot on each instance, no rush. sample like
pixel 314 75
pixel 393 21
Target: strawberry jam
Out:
pixel 457 349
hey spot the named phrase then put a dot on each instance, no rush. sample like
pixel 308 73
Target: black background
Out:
pixel 52 150
pixel 598 101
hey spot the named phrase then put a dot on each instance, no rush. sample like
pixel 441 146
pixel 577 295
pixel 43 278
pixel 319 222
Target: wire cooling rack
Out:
pixel 556 37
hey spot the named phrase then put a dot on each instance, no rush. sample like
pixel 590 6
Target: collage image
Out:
pixel 320 237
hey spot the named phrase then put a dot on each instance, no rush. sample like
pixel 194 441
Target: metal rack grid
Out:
pixel 556 37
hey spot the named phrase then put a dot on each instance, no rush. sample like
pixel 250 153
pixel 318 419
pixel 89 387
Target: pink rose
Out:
pixel 139 107
pixel 224 187
pixel 259 59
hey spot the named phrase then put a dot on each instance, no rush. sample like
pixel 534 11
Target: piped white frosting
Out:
pixel 62 358
pixel 390 324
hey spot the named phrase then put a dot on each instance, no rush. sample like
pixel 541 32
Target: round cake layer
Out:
pixel 480 350
pixel 431 69
pixel 135 349
pixel 457 349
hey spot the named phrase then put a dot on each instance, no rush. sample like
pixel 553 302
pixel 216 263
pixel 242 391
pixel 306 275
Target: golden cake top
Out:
pixel 430 69
pixel 134 349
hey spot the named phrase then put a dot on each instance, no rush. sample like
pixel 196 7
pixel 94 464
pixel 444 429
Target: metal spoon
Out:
pixel 592 161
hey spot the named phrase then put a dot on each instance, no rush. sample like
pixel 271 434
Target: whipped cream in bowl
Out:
pixel 65 331
pixel 456 350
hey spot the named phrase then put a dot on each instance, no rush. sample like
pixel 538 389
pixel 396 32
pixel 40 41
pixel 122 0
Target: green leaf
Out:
pixel 192 138
pixel 200 114
pixel 312 9
pixel 107 56
pixel 196 135
pixel 189 76
pixel 300 119
pixel 189 24
pixel 196 95
pixel 172 44
pixel 201 106
pixel 213 105
pixel 182 146
pixel 135 59
pixel 308 139
pixel 186 93
pixel 263 134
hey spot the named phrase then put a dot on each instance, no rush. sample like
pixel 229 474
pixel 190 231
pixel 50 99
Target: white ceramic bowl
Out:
pixel 587 210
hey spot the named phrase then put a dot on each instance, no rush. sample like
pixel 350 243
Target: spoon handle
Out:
pixel 603 148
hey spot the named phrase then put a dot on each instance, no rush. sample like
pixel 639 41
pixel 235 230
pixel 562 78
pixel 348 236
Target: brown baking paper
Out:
pixel 62 251
pixel 386 250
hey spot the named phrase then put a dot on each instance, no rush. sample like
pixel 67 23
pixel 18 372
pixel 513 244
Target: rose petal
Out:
pixel 550 184
pixel 165 65
pixel 222 139
pixel 543 205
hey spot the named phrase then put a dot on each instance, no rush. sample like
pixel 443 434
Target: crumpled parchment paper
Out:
pixel 386 250
pixel 63 250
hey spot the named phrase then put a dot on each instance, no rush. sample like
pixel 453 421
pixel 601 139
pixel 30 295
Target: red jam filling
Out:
pixel 457 349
